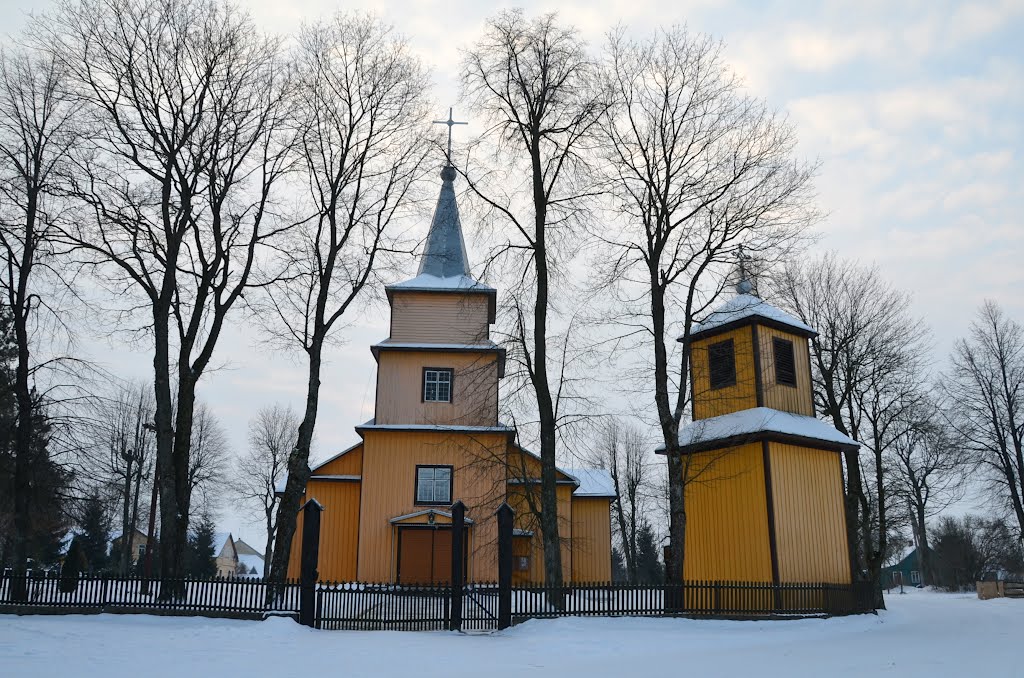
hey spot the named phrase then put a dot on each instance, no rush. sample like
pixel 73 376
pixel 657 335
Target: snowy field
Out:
pixel 922 634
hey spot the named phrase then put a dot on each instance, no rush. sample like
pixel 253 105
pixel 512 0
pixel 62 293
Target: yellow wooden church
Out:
pixel 764 498
pixel 435 438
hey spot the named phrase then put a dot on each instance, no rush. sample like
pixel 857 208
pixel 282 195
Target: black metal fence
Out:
pixel 361 606
pixel 226 595
pixel 355 606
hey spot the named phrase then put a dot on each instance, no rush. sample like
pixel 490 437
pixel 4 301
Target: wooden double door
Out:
pixel 425 555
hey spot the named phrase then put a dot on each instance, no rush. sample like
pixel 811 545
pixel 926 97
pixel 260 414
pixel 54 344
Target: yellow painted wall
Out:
pixel 797 398
pixel 810 526
pixel 711 403
pixel 441 318
pixel 527 520
pixel 591 539
pixel 400 389
pixel 727 518
pixel 339 525
pixel 348 464
pixel 389 477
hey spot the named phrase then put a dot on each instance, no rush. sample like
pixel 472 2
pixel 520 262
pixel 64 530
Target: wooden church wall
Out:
pixel 810 532
pixel 440 318
pixel 339 530
pixel 783 397
pixel 527 521
pixel 713 402
pixel 727 517
pixel 591 540
pixel 389 484
pixel 400 389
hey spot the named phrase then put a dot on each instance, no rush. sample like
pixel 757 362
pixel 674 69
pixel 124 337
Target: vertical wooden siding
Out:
pixel 339 530
pixel 796 399
pixel 400 386
pixel 441 318
pixel 741 396
pixel 525 520
pixel 389 477
pixel 727 517
pixel 591 539
pixel 348 464
pixel 810 527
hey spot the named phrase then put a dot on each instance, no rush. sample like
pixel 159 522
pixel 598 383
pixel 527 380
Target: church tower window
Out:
pixel 785 362
pixel 722 364
pixel 437 385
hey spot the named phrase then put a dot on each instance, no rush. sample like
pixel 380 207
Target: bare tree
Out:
pixel 928 467
pixel 697 170
pixel 36 136
pixel 867 366
pixel 986 381
pixel 208 461
pixel 121 453
pixel 185 142
pixel 537 89
pixel 258 471
pixel 623 450
pixel 362 115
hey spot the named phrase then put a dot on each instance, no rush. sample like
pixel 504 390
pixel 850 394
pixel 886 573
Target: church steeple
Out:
pixel 444 255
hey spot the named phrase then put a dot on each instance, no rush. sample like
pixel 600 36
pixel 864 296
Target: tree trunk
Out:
pixel 923 556
pixel 23 398
pixel 126 542
pixel 298 472
pixel 553 575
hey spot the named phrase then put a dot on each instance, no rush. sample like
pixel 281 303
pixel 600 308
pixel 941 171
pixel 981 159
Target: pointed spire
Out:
pixel 445 253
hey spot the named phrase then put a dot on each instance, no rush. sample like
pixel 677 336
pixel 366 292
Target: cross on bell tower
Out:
pixel 451 123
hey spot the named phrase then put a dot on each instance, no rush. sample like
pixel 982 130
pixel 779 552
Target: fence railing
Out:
pixel 240 595
pixel 355 606
pixel 363 606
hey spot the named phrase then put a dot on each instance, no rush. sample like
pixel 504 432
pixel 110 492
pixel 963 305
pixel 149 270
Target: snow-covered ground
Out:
pixel 922 634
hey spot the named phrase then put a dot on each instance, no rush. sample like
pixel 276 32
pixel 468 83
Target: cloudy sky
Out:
pixel 915 110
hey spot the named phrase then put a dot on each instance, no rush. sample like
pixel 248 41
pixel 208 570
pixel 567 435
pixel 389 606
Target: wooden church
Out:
pixel 764 498
pixel 435 438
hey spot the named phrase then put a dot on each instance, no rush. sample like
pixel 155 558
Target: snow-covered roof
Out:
pixel 760 420
pixel 744 306
pixel 335 476
pixel 220 540
pixel 594 482
pixel 486 345
pixel 424 512
pixel 453 283
pixel 251 561
pixel 500 428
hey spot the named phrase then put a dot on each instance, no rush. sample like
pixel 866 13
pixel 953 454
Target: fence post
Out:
pixel 505 519
pixel 310 557
pixel 458 575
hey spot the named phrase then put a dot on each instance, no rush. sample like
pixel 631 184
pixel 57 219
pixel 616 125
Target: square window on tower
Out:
pixel 437 384
pixel 785 362
pixel 722 364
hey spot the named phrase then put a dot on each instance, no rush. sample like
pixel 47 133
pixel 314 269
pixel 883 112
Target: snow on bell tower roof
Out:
pixel 745 308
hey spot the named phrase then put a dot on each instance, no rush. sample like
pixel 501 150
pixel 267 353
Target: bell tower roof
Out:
pixel 743 309
pixel 444 255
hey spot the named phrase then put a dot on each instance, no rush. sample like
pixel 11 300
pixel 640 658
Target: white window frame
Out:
pixel 428 479
pixel 437 382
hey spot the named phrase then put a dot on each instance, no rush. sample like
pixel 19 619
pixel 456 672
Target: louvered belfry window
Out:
pixel 722 364
pixel 785 361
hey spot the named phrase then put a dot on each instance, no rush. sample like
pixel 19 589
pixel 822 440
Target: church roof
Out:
pixel 444 265
pixel 594 482
pixel 738 428
pixel 746 307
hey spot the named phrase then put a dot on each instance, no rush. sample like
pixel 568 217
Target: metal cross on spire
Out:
pixel 745 284
pixel 451 123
